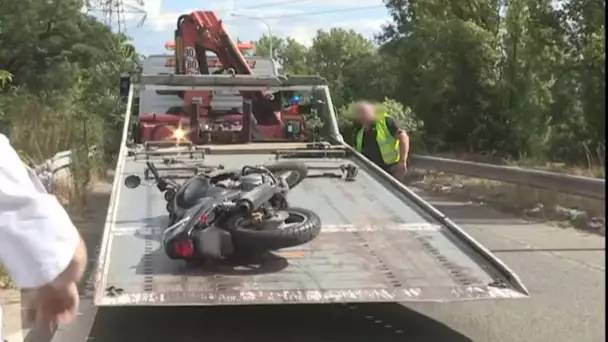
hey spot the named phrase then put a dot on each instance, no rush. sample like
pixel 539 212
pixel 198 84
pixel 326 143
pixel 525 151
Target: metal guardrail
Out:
pixel 59 161
pixel 50 169
pixel 576 185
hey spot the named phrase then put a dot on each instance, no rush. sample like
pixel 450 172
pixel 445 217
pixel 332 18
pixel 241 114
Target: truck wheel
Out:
pixel 300 227
pixel 296 172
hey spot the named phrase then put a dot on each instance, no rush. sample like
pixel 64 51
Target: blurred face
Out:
pixel 365 113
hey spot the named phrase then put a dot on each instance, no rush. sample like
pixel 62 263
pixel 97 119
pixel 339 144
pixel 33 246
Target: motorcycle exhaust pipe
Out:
pixel 255 197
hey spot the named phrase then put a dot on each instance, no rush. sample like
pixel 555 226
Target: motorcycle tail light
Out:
pixel 184 248
pixel 204 219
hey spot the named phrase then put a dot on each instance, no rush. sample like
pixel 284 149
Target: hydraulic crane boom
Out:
pixel 202 31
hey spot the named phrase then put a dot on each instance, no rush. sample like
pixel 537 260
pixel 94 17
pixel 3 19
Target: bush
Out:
pixel 44 123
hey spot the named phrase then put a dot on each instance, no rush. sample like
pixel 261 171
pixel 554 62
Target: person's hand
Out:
pixel 402 166
pixel 53 305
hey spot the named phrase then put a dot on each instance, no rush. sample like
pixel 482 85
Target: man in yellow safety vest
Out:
pixel 380 139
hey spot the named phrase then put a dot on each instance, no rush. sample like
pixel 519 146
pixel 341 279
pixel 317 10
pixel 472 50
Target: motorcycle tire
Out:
pixel 251 240
pixel 298 171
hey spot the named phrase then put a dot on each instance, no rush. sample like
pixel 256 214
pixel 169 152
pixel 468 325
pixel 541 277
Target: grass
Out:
pixel 564 210
pixel 594 166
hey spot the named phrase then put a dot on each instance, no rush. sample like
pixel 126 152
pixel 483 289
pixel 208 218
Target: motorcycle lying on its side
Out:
pixel 225 213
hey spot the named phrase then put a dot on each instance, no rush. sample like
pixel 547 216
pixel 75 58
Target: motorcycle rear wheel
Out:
pixel 302 226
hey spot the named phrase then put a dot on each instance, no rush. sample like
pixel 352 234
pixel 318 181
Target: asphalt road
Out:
pixel 564 270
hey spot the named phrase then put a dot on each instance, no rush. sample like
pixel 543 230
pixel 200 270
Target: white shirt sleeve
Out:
pixel 37 238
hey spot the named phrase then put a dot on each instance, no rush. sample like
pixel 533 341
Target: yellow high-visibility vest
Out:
pixel 389 146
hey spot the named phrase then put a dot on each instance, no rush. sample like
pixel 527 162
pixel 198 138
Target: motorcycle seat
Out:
pixel 192 191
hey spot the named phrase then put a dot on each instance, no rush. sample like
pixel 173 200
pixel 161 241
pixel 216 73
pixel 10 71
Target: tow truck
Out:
pixel 379 242
pixel 197 35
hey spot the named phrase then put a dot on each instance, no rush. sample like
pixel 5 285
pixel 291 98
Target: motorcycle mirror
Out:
pixel 132 181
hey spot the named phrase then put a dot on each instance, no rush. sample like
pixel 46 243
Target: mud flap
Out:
pixel 214 243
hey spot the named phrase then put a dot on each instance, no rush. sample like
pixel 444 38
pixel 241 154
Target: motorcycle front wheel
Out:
pixel 299 227
pixel 294 172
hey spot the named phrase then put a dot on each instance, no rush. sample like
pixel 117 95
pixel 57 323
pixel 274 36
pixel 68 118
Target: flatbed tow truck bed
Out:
pixel 379 243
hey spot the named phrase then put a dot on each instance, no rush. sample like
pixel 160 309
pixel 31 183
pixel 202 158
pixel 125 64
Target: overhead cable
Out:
pixel 275 3
pixel 336 10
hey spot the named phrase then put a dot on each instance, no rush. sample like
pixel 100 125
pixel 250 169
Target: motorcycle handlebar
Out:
pixel 153 169
pixel 254 169
pixel 160 182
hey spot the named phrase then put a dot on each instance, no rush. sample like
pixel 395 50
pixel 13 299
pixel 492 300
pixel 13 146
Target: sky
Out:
pixel 299 19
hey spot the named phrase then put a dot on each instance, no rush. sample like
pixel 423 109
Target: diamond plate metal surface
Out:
pixel 375 246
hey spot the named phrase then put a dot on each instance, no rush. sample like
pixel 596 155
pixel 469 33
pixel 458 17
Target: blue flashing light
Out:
pixel 296 98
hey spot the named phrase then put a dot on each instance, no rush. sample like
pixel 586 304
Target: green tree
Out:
pixel 290 54
pixel 335 55
pixel 262 47
pixel 448 68
pixel 65 68
pixel 295 58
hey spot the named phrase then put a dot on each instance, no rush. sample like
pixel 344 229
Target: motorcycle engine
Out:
pixel 251 181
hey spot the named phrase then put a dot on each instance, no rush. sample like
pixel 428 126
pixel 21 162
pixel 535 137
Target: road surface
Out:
pixel 564 270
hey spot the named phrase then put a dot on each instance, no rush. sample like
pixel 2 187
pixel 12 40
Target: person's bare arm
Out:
pixel 401 135
pixel 404 144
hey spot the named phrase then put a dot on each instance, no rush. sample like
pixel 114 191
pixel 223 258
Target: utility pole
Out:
pixel 112 12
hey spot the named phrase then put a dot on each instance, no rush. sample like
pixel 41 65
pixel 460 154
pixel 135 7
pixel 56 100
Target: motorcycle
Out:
pixel 224 213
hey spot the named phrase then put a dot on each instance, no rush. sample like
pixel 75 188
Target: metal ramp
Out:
pixel 376 245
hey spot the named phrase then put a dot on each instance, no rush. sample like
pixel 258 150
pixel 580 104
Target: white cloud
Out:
pixel 156 19
pixel 304 28
pixel 159 21
pixel 304 32
pixel 310 4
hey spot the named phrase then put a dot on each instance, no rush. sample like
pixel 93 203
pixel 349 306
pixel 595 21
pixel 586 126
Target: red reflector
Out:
pixel 183 248
pixel 204 219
